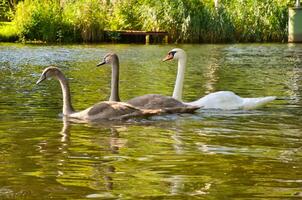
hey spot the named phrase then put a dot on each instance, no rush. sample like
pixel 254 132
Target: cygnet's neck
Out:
pixel 114 95
pixel 67 107
pixel 177 93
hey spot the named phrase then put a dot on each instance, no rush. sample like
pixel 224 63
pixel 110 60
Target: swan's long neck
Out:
pixel 177 93
pixel 114 96
pixel 67 107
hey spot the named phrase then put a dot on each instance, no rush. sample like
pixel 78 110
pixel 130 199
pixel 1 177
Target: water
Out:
pixel 209 155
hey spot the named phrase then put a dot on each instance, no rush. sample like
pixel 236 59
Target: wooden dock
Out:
pixel 139 36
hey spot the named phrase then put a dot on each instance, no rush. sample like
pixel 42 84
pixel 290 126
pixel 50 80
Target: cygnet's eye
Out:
pixel 48 73
pixel 108 59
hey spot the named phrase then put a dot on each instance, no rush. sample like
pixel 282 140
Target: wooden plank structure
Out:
pixel 148 35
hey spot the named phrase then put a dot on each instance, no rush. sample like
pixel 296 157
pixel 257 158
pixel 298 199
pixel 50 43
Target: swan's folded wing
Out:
pixel 157 101
pixel 187 109
pixel 141 113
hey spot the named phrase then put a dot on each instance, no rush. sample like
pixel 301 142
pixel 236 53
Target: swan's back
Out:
pixel 252 103
pixel 227 100
pixel 111 109
pixel 157 101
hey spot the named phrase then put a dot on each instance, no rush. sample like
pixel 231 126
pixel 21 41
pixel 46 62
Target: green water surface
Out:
pixel 212 154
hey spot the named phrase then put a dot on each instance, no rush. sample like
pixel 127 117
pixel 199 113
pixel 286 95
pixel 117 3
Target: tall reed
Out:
pixel 192 21
pixel 54 21
pixel 87 17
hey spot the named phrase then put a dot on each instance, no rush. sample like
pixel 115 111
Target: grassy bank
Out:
pixel 191 21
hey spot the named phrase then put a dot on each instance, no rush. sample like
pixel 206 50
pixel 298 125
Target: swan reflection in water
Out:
pixel 66 156
pixel 77 161
pixel 99 169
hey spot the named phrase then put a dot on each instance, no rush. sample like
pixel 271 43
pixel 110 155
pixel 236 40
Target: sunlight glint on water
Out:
pixel 212 154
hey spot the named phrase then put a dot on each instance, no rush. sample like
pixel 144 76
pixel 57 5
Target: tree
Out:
pixel 7 7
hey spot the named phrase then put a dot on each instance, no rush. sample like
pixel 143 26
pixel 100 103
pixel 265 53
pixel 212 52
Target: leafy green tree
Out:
pixel 7 7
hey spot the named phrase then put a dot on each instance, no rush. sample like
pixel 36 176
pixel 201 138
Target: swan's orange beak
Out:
pixel 168 57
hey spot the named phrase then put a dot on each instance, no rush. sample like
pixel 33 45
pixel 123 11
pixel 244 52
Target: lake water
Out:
pixel 212 154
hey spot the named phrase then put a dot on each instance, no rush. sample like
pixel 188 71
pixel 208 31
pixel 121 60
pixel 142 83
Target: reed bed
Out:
pixel 190 21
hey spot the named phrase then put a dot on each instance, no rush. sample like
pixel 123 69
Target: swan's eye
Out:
pixel 172 53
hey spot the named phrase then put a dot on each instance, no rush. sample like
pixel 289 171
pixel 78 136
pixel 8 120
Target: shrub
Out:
pixel 124 15
pixel 8 32
pixel 87 17
pixel 50 21
pixel 37 20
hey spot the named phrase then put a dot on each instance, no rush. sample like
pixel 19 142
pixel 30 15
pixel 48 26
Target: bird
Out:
pixel 224 100
pixel 148 101
pixel 106 110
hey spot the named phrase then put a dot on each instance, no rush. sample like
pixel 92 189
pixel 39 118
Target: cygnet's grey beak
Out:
pixel 42 78
pixel 168 57
pixel 101 63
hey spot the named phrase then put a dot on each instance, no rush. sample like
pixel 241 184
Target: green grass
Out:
pixel 8 32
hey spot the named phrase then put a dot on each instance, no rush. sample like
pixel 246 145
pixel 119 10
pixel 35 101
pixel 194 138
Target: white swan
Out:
pixel 225 100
